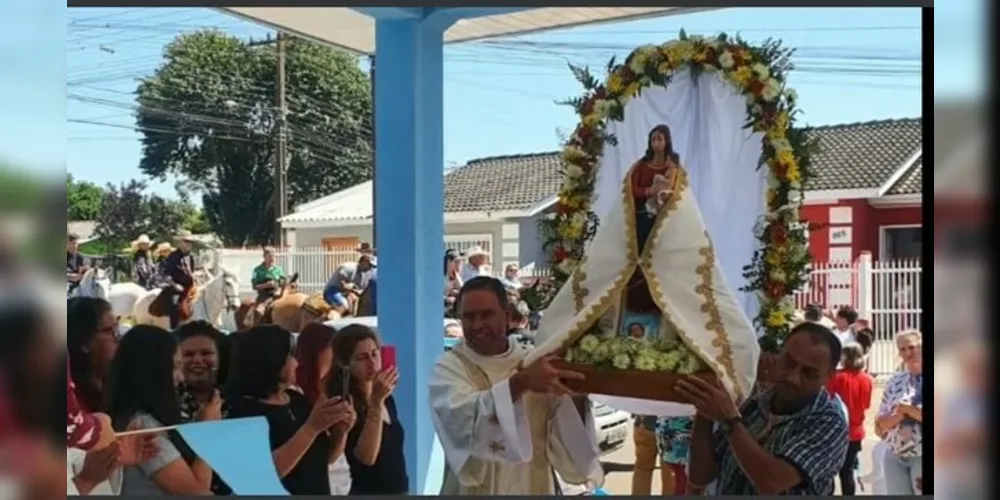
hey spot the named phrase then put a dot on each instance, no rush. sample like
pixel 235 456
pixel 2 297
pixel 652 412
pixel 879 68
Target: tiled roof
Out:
pixel 862 155
pixel 497 183
pixel 912 182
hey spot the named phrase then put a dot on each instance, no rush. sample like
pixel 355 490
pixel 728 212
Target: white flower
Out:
pixel 726 60
pixel 638 62
pixel 573 171
pixel 761 70
pixel 567 266
pixel 778 275
pixel 622 362
pixel 589 343
pixel 795 195
pixel 779 145
pixel 603 107
pixel 771 91
pixel 645 362
pixel 791 95
pixel 578 221
pixel 624 99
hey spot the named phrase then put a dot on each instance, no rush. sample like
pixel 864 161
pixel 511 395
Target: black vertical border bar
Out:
pixel 927 254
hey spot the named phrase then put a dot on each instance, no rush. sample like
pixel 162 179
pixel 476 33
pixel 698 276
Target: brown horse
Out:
pixel 291 310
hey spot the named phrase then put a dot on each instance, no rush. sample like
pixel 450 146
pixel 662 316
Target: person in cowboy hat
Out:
pixel 143 269
pixel 179 267
pixel 476 263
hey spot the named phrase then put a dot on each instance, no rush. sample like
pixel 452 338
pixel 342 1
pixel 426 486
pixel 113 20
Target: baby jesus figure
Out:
pixel 661 193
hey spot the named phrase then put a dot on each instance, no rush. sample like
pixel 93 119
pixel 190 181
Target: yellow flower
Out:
pixel 665 67
pixel 615 84
pixel 742 76
pixel 572 153
pixel 786 157
pixel 776 318
pixel 794 175
pixel 633 89
pixel 773 257
pixel 591 120
pixel 781 121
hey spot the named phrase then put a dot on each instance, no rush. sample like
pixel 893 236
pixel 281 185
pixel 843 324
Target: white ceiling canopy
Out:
pixel 351 30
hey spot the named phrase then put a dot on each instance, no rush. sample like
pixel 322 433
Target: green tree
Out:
pixel 207 115
pixel 128 211
pixel 83 199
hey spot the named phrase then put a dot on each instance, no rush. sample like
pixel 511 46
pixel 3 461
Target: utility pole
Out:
pixel 281 149
pixel 280 136
pixel 371 71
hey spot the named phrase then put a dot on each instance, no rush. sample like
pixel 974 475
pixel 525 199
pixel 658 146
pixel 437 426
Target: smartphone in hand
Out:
pixel 388 355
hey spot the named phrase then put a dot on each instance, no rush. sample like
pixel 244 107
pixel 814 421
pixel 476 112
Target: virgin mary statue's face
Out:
pixel 658 142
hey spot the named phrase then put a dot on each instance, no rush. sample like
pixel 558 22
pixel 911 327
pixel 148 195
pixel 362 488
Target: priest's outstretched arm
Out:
pixel 476 426
pixel 573 448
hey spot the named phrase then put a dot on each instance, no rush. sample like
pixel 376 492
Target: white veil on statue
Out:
pixel 706 118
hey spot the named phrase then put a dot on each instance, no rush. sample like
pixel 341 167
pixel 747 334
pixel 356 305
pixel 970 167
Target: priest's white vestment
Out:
pixel 494 446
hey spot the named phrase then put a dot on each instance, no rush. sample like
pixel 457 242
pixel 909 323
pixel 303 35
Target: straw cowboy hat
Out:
pixel 184 235
pixel 476 251
pixel 164 247
pixel 141 240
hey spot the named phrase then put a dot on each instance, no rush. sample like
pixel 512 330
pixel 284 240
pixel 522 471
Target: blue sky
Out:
pixel 498 99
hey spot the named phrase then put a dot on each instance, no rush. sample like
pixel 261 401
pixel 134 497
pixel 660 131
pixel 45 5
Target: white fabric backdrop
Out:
pixel 706 118
pixel 706 123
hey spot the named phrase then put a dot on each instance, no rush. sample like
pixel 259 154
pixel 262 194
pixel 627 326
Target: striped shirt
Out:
pixel 813 440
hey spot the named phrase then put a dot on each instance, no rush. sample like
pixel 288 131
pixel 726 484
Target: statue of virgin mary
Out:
pixel 651 271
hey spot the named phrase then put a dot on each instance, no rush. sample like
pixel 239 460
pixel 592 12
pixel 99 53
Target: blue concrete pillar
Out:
pixel 409 211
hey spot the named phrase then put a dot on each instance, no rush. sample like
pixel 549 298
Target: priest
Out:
pixel 507 428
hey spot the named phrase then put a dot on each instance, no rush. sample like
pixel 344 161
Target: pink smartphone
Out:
pixel 388 354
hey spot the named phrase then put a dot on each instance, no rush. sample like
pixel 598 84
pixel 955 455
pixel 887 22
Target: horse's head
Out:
pixel 231 290
pixel 96 282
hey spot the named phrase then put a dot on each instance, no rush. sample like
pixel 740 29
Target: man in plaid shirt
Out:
pixel 789 439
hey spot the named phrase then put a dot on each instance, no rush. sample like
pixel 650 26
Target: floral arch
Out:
pixel 759 72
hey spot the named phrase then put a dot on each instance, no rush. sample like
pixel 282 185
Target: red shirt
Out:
pixel 855 390
pixel 82 429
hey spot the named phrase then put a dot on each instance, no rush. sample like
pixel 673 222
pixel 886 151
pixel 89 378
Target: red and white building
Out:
pixel 865 196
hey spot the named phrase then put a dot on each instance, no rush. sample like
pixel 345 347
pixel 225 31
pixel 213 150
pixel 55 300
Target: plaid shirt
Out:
pixel 813 440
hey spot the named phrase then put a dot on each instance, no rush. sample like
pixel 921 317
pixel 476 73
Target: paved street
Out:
pixel 619 464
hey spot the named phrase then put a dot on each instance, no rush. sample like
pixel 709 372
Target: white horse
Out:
pixel 219 294
pixel 96 282
pixel 123 297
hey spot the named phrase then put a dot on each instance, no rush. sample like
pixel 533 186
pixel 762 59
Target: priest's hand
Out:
pixel 542 377
pixel 711 400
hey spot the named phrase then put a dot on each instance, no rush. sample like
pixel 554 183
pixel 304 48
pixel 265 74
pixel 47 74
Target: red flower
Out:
pixel 756 87
pixel 559 254
pixel 563 209
pixel 779 233
pixel 712 56
pixel 768 113
pixel 588 106
pixel 584 134
pixel 600 93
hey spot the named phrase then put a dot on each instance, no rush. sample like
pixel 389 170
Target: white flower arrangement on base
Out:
pixel 626 353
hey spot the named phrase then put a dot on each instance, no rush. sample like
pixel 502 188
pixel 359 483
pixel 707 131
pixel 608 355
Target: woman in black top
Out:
pixel 305 438
pixel 375 444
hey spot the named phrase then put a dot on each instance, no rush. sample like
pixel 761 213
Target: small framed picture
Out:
pixel 640 326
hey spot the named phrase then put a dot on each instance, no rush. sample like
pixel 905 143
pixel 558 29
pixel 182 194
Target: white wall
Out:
pixel 530 243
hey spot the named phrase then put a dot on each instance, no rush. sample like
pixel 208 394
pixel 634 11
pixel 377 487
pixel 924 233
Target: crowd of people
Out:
pixel 334 427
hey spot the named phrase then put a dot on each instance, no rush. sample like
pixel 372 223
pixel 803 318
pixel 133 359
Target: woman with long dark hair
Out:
pixel 304 437
pixel 375 445
pixel 142 394
pixel 91 342
pixel 314 354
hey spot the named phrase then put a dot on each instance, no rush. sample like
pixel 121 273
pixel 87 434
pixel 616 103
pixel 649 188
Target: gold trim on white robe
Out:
pixel 685 280
pixel 493 446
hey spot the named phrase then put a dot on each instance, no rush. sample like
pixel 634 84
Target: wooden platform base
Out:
pixel 639 384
